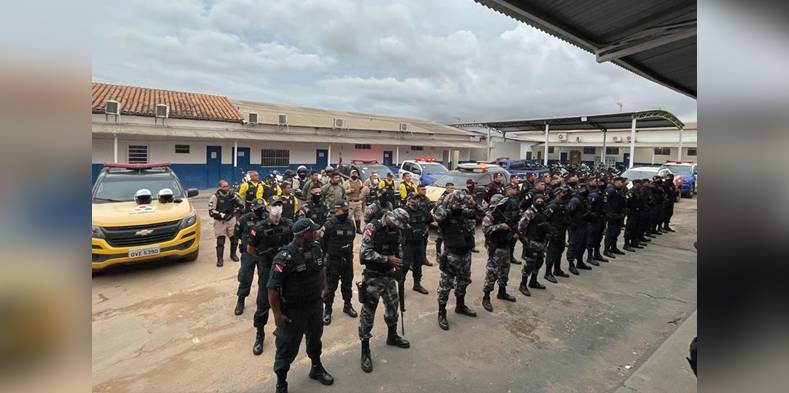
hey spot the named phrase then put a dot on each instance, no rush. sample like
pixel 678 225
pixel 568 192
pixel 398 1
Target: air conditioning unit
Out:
pixel 617 139
pixel 629 138
pixel 403 127
pixel 162 110
pixel 112 107
pixel 339 123
pixel 253 118
pixel 283 119
pixel 578 139
pixel 562 137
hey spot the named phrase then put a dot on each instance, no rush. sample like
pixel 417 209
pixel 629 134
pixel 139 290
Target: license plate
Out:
pixel 143 252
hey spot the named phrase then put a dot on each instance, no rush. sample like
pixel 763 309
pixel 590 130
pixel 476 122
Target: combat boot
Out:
pixel 282 383
pixel 220 251
pixel 533 283
pixel 486 301
pixel 394 340
pixel 524 288
pixel 572 268
pixel 582 265
pixel 668 229
pixel 557 271
pixel 503 295
pixel 367 359
pixel 628 248
pixel 550 278
pixel 597 255
pixel 327 316
pixel 442 317
pixel 257 349
pixel 318 373
pixel 590 258
pixel 239 306
pixel 233 247
pixel 608 253
pixel 348 309
pixel 461 308
pixel 615 250
pixel 419 288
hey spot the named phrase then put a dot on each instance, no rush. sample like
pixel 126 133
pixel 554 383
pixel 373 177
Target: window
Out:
pixel 662 151
pixel 417 148
pixel 550 149
pixel 270 157
pixel 528 155
pixel 182 149
pixel 539 154
pixel 691 151
pixel 590 150
pixel 362 147
pixel 612 151
pixel 138 154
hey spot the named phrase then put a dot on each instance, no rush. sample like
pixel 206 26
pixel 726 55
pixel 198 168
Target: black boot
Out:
pixel 348 309
pixel 572 268
pixel 628 248
pixel 608 253
pixel 582 265
pixel 590 258
pixel 644 239
pixel 239 306
pixel 394 340
pixel 616 250
pixel 257 349
pixel 524 287
pixel 550 278
pixel 557 271
pixel 442 317
pixel 667 228
pixel 419 288
pixel 367 359
pixel 461 308
pixel 503 295
pixel 318 373
pixel 597 255
pixel 533 283
pixel 486 302
pixel 220 251
pixel 282 383
pixel 233 247
pixel 635 244
pixel 327 315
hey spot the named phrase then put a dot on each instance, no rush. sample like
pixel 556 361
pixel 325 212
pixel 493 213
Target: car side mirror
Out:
pixel 192 192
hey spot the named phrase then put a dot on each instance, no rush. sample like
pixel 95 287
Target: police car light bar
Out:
pixel 364 161
pixel 425 159
pixel 136 166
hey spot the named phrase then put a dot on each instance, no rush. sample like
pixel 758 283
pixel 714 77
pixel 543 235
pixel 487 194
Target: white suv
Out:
pixel 422 171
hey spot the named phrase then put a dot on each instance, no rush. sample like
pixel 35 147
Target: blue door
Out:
pixel 626 160
pixel 321 159
pixel 213 162
pixel 563 157
pixel 242 163
pixel 388 157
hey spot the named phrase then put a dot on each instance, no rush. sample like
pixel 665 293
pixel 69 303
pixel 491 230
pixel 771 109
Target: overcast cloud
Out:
pixel 445 60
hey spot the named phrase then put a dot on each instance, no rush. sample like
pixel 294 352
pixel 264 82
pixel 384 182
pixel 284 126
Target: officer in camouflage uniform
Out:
pixel 380 255
pixel 456 215
pixel 265 239
pixel 449 188
pixel 314 209
pixel 512 211
pixel 337 245
pixel 415 239
pixel 246 270
pixel 376 210
pixel 298 278
pixel 533 228
pixel 497 240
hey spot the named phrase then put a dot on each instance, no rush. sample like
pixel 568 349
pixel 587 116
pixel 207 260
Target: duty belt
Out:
pixel 374 274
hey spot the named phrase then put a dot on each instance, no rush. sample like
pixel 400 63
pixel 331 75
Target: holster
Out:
pixel 361 286
pixel 442 262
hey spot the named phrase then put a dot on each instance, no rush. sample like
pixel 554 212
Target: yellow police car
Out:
pixel 141 213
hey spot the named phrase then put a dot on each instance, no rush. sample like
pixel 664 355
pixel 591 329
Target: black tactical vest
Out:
pixel 499 238
pixel 302 285
pixel 288 206
pixel 535 231
pixel 385 243
pixel 317 212
pixel 274 236
pixel 340 236
pixel 417 218
pixel 224 204
pixel 252 192
pixel 457 238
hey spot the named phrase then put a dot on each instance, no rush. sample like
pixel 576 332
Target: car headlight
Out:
pixel 189 221
pixel 97 232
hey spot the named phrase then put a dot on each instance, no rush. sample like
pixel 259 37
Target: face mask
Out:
pixel 584 192
pixel 259 212
pixel 316 198
pixel 276 210
pixel 342 217
pixel 539 205
pixel 374 179
pixel 354 177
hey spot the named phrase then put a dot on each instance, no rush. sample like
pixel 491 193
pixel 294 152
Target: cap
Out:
pixel 497 200
pixel 274 199
pixel 257 204
pixel 389 174
pixel 342 204
pixel 303 225
pixel 511 186
pixel 399 217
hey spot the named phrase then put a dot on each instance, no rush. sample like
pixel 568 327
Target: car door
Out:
pixel 416 172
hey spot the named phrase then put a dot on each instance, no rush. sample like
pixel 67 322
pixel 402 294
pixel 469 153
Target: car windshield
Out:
pixel 458 178
pixel 123 188
pixel 368 169
pixel 680 169
pixel 632 174
pixel 433 169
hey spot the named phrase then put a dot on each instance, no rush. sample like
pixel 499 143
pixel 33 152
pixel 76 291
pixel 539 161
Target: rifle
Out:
pixel 401 293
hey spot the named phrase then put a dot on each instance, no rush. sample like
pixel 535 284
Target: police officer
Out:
pixel 449 188
pixel 596 223
pixel 495 187
pixel 556 213
pixel 659 196
pixel 614 214
pixel 414 240
pixel 388 186
pixel 290 204
pixel 298 278
pixel 670 189
pixel 647 204
pixel 578 215
pixel 456 214
pixel 353 192
pixel 315 209
pixel 251 189
pixel 222 206
pixel 633 204
pixel 407 187
pixel 334 191
pixel 310 183
pixel 337 245
pixel 270 187
pixel 300 181
pixel 376 210
pixel 265 240
pixel 380 256
pixel 512 212
pixel 246 270
pixel 533 228
pixel 498 235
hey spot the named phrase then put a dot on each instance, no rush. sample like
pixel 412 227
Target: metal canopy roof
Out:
pixel 655 39
pixel 614 121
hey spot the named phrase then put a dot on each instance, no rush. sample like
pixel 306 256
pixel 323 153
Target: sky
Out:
pixel 444 60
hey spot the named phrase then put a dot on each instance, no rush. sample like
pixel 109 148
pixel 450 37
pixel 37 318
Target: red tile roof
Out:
pixel 141 101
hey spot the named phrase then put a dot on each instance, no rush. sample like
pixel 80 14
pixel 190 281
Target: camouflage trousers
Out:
pixel 455 274
pixel 534 254
pixel 498 267
pixel 375 287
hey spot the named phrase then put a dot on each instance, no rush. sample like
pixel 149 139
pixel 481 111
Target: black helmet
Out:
pixel 257 205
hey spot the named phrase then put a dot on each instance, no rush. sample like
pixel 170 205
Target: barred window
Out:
pixel 528 155
pixel 138 154
pixel 691 151
pixel 612 151
pixel 590 150
pixel 359 146
pixel 182 149
pixel 271 157
pixel 550 149
pixel 662 151
pixel 416 148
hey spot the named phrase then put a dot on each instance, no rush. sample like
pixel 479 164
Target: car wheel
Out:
pixel 192 257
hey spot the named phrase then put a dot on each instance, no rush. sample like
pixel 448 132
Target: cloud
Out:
pixel 441 59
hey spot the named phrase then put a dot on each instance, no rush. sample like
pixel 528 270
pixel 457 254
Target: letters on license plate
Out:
pixel 143 252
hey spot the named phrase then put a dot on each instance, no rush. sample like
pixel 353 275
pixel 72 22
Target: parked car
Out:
pixel 685 176
pixel 481 173
pixel 365 168
pixel 644 172
pixel 423 170
pixel 521 169
pixel 126 231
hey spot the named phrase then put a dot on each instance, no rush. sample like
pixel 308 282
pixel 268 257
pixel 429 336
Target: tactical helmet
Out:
pixel 257 205
pixel 497 200
pixel 399 218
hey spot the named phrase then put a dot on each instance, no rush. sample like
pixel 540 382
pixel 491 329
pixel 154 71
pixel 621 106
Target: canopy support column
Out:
pixel 679 152
pixel 545 154
pixel 632 142
pixel 115 149
pixel 602 154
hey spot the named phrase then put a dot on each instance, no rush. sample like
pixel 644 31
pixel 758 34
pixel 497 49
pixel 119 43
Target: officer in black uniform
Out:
pixel 670 189
pixel 337 245
pixel 414 240
pixel 647 204
pixel 595 226
pixel 659 196
pixel 556 213
pixel 533 229
pixel 265 240
pixel 315 209
pixel 633 203
pixel 298 278
pixel 270 187
pixel 495 187
pixel 615 215
pixel 246 270
pixel 578 214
